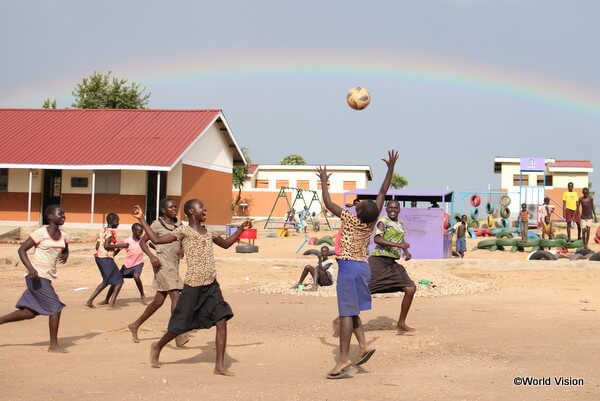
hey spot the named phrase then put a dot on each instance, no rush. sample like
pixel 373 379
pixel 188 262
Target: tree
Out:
pixel 101 91
pixel 398 181
pixel 49 103
pixel 293 160
pixel 239 177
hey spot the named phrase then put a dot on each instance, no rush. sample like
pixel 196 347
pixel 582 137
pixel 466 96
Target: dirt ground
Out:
pixel 517 318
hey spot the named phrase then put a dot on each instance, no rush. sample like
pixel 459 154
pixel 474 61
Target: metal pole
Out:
pixel 157 193
pixel 93 196
pixel 29 200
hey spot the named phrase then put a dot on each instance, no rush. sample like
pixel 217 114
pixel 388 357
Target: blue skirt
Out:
pixel 109 271
pixel 353 293
pixel 127 272
pixel 40 297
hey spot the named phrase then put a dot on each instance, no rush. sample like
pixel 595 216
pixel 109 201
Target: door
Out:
pixel 52 190
pixel 151 195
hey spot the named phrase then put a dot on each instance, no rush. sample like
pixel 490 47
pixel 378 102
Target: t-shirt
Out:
pixel 355 237
pixel 393 231
pixel 543 211
pixel 133 253
pixel 102 236
pixel 570 198
pixel 198 249
pixel 46 251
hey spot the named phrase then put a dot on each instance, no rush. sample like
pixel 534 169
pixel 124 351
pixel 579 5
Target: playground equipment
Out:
pixel 298 195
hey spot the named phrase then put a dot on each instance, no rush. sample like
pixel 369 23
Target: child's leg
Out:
pixel 409 293
pixel 111 290
pixel 346 329
pixel 140 286
pixel 181 339
pixel 359 332
pixel 115 294
pixel 96 292
pixel 221 343
pixel 157 302
pixel 53 322
pixel 17 316
pixel 174 295
pixel 307 269
pixel 156 347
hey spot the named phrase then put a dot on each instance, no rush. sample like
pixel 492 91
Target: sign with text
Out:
pixel 533 164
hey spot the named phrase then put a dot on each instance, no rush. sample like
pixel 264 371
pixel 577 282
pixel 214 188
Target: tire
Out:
pixel 583 252
pixel 474 224
pixel 504 235
pixel 475 213
pixel 531 242
pixel 489 208
pixel 486 243
pixel 574 244
pixel 505 200
pixel 446 220
pixel 561 236
pixel 505 223
pixel 505 212
pixel 475 200
pixel 246 248
pixel 507 242
pixel 595 257
pixel 325 240
pixel 490 220
pixel 549 243
pixel 542 255
pixel 315 252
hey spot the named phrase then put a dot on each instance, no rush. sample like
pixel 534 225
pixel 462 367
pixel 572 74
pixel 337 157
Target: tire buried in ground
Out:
pixel 246 248
pixel 542 255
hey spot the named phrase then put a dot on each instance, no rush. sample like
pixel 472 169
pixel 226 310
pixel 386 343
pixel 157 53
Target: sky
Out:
pixel 454 83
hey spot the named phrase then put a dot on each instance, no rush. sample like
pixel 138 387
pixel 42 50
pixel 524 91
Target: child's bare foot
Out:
pixel 105 302
pixel 220 370
pixel 154 354
pixel 57 349
pixel 181 340
pixel 134 334
pixel 295 286
pixel 404 327
pixel 335 325
pixel 340 366
pixel 313 288
pixel 89 304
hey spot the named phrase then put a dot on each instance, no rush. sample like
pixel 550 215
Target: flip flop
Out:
pixel 349 371
pixel 364 358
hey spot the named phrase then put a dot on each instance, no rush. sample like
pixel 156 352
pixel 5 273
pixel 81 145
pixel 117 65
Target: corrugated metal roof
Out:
pixel 91 137
pixel 571 163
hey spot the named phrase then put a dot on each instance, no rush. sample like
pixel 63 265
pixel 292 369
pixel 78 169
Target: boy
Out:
pixel 570 210
pixel 51 247
pixel 588 216
pixel 201 304
pixel 547 229
pixel 461 230
pixel 106 246
pixel 524 220
pixel 546 209
pixel 354 274
pixel 134 258
pixel 320 274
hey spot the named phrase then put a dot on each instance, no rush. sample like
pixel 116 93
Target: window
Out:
pixel 79 182
pixel 520 180
pixel 281 183
pixel 3 180
pixel 262 183
pixel 349 185
pixel 303 184
pixel 540 181
pixel 108 182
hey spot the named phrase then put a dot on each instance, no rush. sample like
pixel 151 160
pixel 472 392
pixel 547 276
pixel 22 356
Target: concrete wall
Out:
pixel 211 187
pixel 260 203
pixel 211 151
pixel 336 182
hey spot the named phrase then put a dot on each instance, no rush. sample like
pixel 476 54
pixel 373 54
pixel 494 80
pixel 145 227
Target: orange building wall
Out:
pixel 261 203
pixel 77 207
pixel 211 187
pixel 13 206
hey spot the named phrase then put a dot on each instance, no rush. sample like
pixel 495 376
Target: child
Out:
pixel 354 274
pixel 547 228
pixel 104 257
pixel 51 247
pixel 524 219
pixel 461 230
pixel 134 259
pixel 201 304
pixel 320 274
pixel 165 264
pixel 302 217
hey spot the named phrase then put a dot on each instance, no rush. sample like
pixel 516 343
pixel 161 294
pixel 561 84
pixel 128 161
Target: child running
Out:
pixel 51 247
pixel 106 246
pixel 165 264
pixel 201 304
pixel 320 273
pixel 134 258
pixel 352 287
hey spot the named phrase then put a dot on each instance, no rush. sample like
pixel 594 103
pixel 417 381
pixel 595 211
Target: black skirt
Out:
pixel 387 275
pixel 199 308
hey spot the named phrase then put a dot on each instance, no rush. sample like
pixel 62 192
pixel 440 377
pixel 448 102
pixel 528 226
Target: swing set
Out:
pixel 297 198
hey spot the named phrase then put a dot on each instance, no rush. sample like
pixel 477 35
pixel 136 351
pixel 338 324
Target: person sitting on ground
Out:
pixel 320 273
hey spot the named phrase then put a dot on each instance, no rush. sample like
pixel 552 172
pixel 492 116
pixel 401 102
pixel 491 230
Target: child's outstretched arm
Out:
pixel 324 177
pixel 163 239
pixel 385 185
pixel 146 249
pixel 232 239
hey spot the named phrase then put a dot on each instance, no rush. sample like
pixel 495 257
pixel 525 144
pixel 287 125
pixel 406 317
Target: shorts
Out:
pixel 571 215
pixel 461 244
pixel 585 223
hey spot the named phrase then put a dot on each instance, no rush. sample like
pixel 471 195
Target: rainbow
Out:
pixel 459 75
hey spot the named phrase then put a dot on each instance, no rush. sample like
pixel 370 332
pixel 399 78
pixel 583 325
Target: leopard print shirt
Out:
pixel 198 249
pixel 355 237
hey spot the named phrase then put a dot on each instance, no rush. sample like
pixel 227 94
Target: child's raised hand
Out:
pixel 392 158
pixel 137 212
pixel 322 174
pixel 246 225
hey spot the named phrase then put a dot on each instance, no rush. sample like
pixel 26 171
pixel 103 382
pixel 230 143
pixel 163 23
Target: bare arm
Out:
pixel 232 239
pixel 385 185
pixel 25 246
pixel 146 249
pixel 324 177
pixel 163 239
pixel 114 247
pixel 402 245
pixel 564 209
pixel 593 209
pixel 64 255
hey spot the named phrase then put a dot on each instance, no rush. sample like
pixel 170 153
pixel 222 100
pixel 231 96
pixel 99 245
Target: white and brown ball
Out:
pixel 358 98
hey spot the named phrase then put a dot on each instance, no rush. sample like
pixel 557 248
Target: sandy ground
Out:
pixel 508 318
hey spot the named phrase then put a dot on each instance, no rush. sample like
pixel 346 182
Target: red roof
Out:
pixel 571 163
pixel 252 168
pixel 90 137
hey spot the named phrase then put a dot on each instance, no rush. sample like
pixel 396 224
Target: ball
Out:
pixel 358 98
